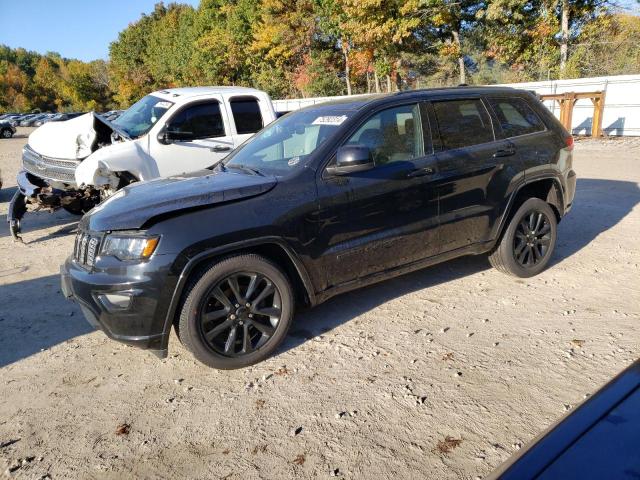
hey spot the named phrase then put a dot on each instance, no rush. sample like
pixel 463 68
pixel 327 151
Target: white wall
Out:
pixel 621 109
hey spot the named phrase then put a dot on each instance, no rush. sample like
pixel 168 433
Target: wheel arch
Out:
pixel 547 188
pixel 273 249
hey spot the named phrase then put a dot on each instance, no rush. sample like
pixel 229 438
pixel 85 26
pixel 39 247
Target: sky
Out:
pixel 79 29
pixel 83 29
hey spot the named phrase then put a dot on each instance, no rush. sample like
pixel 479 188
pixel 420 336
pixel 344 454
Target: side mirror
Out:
pixel 168 136
pixel 351 159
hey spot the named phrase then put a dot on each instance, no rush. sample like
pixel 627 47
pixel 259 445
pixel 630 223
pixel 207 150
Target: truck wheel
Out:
pixel 6 133
pixel 237 312
pixel 528 242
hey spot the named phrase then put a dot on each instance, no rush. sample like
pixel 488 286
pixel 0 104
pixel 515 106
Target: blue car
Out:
pixel 598 440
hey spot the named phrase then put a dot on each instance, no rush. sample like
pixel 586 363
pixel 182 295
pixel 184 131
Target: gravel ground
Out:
pixel 442 373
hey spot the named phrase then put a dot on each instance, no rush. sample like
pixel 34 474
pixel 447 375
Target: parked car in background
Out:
pixel 324 200
pixel 7 130
pixel 46 118
pixel 29 121
pixel 599 439
pixel 70 115
pixel 14 120
pixel 76 164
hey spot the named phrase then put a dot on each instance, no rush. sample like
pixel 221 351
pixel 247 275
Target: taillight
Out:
pixel 569 142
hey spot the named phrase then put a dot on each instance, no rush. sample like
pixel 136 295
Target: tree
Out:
pixel 450 19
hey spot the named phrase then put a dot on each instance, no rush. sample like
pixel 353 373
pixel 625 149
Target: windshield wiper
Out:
pixel 244 167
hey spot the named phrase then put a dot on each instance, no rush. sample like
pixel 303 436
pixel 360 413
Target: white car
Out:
pixel 75 164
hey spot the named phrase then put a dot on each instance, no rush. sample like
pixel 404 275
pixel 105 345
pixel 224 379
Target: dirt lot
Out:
pixel 369 385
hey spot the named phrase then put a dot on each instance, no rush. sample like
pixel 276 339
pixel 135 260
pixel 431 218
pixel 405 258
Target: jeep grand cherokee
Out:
pixel 326 199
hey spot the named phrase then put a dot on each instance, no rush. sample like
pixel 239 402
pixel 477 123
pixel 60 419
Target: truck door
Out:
pixel 201 136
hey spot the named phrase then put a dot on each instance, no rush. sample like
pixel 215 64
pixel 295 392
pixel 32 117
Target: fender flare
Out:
pixel 554 197
pixel 193 263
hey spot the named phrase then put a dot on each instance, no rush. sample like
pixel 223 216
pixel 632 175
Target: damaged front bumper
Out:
pixel 36 191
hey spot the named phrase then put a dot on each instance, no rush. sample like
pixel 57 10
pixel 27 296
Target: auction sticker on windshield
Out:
pixel 330 120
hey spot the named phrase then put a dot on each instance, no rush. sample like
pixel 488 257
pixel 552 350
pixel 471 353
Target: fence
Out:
pixel 621 108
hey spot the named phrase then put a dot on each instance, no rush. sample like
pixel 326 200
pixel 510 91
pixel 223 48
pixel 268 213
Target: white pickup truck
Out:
pixel 77 163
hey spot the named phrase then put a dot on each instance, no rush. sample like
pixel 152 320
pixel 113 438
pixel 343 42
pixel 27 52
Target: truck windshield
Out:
pixel 142 115
pixel 287 144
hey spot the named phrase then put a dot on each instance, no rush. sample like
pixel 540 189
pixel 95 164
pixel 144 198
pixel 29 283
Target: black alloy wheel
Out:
pixel 237 312
pixel 532 239
pixel 240 313
pixel 528 242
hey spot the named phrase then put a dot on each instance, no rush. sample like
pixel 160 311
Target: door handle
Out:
pixel 220 148
pixel 505 152
pixel 420 172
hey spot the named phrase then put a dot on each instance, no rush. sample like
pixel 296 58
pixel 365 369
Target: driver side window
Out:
pixel 203 120
pixel 392 135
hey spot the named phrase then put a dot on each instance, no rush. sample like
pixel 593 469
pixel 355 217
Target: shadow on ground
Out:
pixel 35 315
pixel 598 206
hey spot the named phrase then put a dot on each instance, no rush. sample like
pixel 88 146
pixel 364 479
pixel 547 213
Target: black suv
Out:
pixel 324 200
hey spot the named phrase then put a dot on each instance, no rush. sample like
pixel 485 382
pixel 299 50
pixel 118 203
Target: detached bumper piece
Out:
pixel 17 209
pixel 36 191
pixel 29 187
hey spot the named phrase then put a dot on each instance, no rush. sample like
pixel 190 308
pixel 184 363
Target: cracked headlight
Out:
pixel 128 247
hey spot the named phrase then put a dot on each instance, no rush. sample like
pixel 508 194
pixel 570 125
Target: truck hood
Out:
pixel 70 139
pixel 137 204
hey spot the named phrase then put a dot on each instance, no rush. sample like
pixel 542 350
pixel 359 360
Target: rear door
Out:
pixel 385 217
pixel 472 165
pixel 518 123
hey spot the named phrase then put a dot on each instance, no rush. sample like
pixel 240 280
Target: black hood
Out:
pixel 136 204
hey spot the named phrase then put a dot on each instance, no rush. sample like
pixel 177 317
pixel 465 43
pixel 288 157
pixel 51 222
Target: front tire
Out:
pixel 528 242
pixel 237 313
pixel 6 133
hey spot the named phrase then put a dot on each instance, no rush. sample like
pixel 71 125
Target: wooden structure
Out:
pixel 568 100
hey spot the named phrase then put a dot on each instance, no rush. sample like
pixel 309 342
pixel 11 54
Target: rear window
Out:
pixel 516 116
pixel 246 114
pixel 463 123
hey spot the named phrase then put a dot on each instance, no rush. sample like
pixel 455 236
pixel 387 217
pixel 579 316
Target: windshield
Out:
pixel 142 115
pixel 286 144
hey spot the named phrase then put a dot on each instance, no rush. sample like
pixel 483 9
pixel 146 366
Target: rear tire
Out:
pixel 528 242
pixel 237 312
pixel 6 133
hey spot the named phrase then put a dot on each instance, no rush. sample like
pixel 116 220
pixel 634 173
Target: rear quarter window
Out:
pixel 516 117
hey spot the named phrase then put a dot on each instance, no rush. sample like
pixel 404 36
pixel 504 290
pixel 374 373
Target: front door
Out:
pixel 203 139
pixel 387 216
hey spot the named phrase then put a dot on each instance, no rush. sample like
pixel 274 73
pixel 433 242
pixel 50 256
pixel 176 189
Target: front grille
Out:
pixel 57 169
pixel 85 248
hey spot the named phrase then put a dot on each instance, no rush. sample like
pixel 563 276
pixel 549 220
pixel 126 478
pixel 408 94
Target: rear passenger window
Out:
pixel 516 116
pixel 463 123
pixel 246 114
